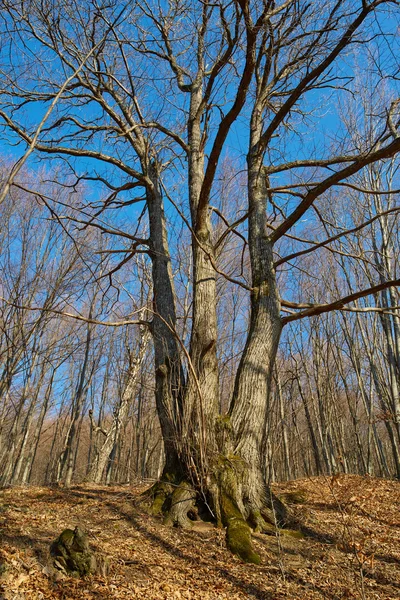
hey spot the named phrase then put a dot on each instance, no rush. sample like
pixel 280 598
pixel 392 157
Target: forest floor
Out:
pixel 351 547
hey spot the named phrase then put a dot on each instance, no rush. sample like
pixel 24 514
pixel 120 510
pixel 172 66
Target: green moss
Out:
pixel 295 497
pixel 228 469
pixel 223 422
pixel 72 554
pixel 66 538
pixel 158 502
pixel 238 533
pixel 292 533
pixel 238 540
pixel 271 530
pixel 159 492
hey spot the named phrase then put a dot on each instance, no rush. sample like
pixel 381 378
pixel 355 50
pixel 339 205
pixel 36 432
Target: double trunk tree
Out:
pixel 159 89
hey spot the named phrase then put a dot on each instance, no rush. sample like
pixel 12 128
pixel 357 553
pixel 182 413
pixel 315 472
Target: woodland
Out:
pixel 199 291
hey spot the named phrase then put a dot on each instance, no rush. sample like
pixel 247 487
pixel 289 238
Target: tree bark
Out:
pixel 169 373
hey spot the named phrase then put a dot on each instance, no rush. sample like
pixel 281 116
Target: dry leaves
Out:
pixel 351 550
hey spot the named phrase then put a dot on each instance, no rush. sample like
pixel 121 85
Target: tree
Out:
pixel 160 92
pixel 112 434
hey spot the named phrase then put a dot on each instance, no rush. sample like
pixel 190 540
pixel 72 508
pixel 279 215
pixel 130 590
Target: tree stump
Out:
pixel 72 553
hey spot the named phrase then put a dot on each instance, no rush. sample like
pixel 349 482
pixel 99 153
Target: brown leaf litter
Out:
pixel 351 547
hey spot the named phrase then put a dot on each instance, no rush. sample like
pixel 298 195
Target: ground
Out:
pixel 350 547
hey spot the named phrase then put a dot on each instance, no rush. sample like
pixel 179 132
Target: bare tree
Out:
pixel 121 411
pixel 160 91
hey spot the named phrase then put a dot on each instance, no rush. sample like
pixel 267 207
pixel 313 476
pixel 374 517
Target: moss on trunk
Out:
pixel 160 492
pixel 229 475
pixel 229 498
pixel 238 532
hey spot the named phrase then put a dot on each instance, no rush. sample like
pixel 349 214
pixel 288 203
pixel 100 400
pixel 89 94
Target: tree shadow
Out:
pixel 386 558
pixel 322 538
pixel 251 590
pixel 381 579
pixel 82 494
pixel 129 511
pixel 39 544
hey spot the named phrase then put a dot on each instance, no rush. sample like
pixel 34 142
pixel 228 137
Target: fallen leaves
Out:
pixel 351 547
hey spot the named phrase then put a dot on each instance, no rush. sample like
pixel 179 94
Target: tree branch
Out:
pixel 318 309
pixel 362 161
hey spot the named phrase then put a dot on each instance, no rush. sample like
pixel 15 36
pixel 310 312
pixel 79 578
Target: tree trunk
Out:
pixel 253 380
pixel 233 485
pixel 169 373
pixel 285 438
pixel 26 477
pixel 66 460
pixel 221 458
pixel 121 414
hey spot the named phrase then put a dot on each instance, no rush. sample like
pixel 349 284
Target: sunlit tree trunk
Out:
pixel 27 473
pixel 66 459
pixel 121 412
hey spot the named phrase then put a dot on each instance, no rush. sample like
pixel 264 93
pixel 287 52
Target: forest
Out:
pixel 199 284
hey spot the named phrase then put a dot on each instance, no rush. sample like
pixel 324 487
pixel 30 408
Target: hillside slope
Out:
pixel 351 548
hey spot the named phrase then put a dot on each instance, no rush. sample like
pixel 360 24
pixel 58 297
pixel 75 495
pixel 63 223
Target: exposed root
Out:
pixel 158 494
pixel 258 523
pixel 238 532
pixel 182 502
pixel 294 497
pixel 240 503
pixel 275 512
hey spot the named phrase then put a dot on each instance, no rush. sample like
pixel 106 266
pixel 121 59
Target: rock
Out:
pixel 72 554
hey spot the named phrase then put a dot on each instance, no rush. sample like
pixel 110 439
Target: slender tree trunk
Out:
pixel 202 391
pixel 121 414
pixel 285 440
pixel 169 375
pixel 66 461
pixel 16 435
pixel 26 477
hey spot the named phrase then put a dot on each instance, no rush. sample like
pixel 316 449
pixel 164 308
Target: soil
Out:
pixel 350 546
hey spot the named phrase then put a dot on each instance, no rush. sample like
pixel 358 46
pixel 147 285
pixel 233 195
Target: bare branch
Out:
pixel 33 140
pixel 335 237
pixel 76 317
pixel 362 161
pixel 318 309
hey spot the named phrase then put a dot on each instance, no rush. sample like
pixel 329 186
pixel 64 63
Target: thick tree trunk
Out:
pixel 230 481
pixel 169 374
pixel 218 462
pixel 253 380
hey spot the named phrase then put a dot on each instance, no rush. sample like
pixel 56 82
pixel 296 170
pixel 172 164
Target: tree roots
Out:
pixel 229 502
pixel 181 503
